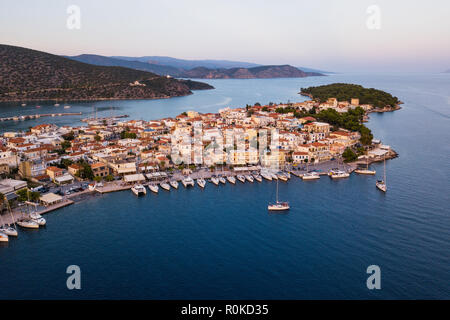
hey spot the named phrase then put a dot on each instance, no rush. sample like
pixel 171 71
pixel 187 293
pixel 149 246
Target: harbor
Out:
pixel 37 116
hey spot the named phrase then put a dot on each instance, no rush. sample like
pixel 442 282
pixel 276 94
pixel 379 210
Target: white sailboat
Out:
pixel 278 206
pixel 266 175
pixel 153 188
pixel 27 223
pixel 36 217
pixel 8 229
pixel 165 186
pixel 215 180
pixel 274 176
pixel 222 180
pixel 174 184
pixel 201 182
pixel 241 178
pixel 231 179
pixel 257 177
pixel 311 176
pixel 381 184
pixel 249 178
pixel 139 190
pixel 280 175
pixel 365 171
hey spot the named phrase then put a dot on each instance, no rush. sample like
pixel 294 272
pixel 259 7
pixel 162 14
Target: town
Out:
pixel 48 167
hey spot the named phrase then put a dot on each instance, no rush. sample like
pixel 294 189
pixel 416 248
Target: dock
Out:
pixel 37 116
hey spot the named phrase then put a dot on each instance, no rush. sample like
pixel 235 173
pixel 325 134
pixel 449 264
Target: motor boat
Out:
pixel 8 230
pixel 338 174
pixel 36 217
pixel 139 190
pixel 3 237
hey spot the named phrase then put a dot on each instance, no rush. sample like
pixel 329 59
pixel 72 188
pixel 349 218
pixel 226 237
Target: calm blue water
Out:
pixel 221 242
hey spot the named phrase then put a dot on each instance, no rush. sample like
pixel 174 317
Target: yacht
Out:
pixel 188 181
pixel 215 180
pixel 222 180
pixel 278 206
pixel 241 178
pixel 249 178
pixel 201 182
pixel 231 179
pixel 288 175
pixel 165 186
pixel 311 176
pixel 153 188
pixel 174 184
pixel 274 176
pixel 27 223
pixel 266 176
pixel 36 217
pixel 257 177
pixel 3 237
pixel 381 184
pixel 139 190
pixel 338 174
pixel 8 230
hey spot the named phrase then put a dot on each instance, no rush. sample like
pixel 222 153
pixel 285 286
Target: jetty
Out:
pixel 37 116
pixel 105 118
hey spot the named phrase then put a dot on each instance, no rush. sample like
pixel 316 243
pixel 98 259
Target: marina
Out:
pixel 38 116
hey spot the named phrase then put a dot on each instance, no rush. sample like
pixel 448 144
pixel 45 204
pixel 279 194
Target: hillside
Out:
pixel 189 64
pixel 261 72
pixel 138 65
pixel 28 74
pixel 345 92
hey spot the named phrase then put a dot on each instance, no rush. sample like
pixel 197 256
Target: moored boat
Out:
pixel 201 182
pixel 222 180
pixel 165 186
pixel 278 205
pixel 241 178
pixel 153 188
pixel 3 237
pixel 215 180
pixel 266 176
pixel 36 217
pixel 249 178
pixel 339 174
pixel 187 182
pixel 10 231
pixel 257 177
pixel 27 223
pixel 173 184
pixel 139 190
pixel 231 179
pixel 311 176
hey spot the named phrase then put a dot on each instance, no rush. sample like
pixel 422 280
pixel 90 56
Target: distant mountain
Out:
pixel 189 64
pixel 138 65
pixel 262 72
pixel 28 74
pixel 314 70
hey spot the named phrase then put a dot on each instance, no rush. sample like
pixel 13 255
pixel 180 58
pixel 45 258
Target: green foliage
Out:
pixel 127 135
pixel 65 145
pixel 109 178
pixel 349 155
pixel 85 171
pixel 69 136
pixel 26 195
pixel 97 138
pixel 345 92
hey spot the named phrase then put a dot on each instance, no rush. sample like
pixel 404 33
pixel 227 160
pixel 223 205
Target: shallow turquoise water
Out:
pixel 221 242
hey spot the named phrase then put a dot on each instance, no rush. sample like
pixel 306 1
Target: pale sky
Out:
pixel 414 35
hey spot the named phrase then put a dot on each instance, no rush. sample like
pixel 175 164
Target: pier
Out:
pixel 37 116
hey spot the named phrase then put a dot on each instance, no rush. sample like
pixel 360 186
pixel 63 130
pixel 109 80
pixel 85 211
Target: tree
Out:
pixel 349 155
pixel 97 138
pixel 109 178
pixel 65 145
pixel 98 179
pixel 26 195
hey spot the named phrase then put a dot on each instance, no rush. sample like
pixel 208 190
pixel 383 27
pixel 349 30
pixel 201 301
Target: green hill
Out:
pixel 345 92
pixel 28 74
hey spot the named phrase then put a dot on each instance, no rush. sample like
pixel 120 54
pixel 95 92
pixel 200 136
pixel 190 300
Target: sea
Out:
pixel 222 243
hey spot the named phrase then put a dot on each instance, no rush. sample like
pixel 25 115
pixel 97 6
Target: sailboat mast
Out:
pixel 384 169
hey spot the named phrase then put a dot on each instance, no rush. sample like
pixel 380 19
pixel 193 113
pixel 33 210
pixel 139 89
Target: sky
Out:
pixel 333 35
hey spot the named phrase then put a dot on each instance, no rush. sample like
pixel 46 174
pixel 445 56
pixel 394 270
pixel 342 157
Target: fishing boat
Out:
pixel 165 186
pixel 311 176
pixel 188 181
pixel 153 188
pixel 173 184
pixel 3 237
pixel 201 182
pixel 249 178
pixel 215 180
pixel 36 217
pixel 241 178
pixel 139 190
pixel 27 223
pixel 278 205
pixel 257 177
pixel 231 179
pixel 381 184
pixel 266 176
pixel 366 170
pixel 222 180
